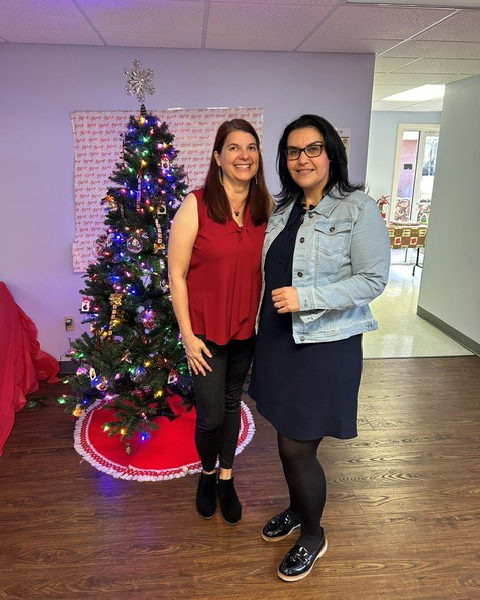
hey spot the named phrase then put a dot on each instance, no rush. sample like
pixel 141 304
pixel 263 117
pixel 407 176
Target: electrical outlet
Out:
pixel 69 323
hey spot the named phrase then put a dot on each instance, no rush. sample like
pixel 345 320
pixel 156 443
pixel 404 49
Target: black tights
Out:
pixel 306 484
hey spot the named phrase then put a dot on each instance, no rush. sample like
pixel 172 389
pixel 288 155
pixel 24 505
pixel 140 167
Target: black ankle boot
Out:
pixel 206 501
pixel 229 502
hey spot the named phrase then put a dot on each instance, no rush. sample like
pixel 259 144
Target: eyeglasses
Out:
pixel 312 151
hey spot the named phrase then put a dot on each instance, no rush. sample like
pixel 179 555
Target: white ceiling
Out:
pixel 428 41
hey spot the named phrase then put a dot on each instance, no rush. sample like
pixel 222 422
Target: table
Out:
pixel 408 235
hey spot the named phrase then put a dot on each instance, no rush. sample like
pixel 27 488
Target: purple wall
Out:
pixel 42 85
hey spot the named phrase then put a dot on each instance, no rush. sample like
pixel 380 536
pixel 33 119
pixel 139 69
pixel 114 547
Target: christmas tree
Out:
pixel 134 357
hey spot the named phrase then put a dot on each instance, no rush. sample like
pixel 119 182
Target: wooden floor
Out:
pixel 402 517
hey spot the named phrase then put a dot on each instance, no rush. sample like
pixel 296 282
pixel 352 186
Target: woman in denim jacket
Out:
pixel 326 256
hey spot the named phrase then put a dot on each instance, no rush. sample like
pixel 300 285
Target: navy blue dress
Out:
pixel 307 391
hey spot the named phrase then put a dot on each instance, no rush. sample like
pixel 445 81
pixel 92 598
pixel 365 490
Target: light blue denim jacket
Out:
pixel 341 262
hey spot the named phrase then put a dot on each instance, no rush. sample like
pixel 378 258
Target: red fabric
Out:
pixel 169 447
pixel 224 280
pixel 169 451
pixel 22 363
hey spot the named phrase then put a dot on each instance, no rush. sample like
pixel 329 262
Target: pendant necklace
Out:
pixel 236 211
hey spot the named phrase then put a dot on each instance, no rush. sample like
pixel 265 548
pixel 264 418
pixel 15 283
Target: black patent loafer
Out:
pixel 279 527
pixel 298 562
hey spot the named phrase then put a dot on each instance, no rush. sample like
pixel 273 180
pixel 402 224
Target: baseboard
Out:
pixel 456 335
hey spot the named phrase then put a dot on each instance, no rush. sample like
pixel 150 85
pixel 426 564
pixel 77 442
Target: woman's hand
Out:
pixel 285 300
pixel 194 349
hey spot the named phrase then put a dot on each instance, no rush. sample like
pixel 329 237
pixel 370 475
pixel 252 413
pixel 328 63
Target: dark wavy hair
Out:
pixel 214 194
pixel 336 153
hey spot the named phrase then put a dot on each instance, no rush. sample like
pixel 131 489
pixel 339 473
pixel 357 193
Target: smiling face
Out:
pixel 239 157
pixel 311 174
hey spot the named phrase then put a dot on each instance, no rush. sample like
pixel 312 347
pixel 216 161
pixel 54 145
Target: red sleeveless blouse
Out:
pixel 224 279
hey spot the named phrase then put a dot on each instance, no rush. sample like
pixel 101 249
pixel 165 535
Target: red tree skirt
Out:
pixel 168 453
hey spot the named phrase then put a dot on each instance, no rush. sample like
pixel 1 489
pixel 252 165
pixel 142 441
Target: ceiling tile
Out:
pixel 462 27
pixel 388 106
pixel 410 79
pixel 252 20
pixel 291 2
pixel 364 22
pixel 41 14
pixel 385 65
pixel 346 45
pixel 427 49
pixel 426 106
pixel 441 66
pixel 140 16
pixel 450 78
pixel 382 91
pixel 240 42
pixel 51 36
pixel 153 40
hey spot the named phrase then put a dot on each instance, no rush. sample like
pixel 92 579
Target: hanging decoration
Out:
pixel 115 301
pixel 158 246
pixel 134 244
pixel 85 307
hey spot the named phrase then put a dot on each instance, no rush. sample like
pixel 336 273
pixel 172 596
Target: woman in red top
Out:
pixel 214 259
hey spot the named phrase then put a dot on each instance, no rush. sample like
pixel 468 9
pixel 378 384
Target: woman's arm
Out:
pixel 370 257
pixel 183 232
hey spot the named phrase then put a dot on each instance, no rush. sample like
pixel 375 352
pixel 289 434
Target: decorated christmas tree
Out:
pixel 134 358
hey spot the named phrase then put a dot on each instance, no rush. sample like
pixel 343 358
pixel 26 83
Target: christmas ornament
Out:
pixel 148 319
pixel 139 191
pixel 134 244
pixel 138 374
pixel 85 307
pixel 139 81
pixel 126 357
pixel 81 371
pixel 102 384
pixel 91 373
pixel 165 162
pixel 172 377
pixel 158 245
pixel 115 301
pixel 79 411
pixel 161 209
pixel 146 279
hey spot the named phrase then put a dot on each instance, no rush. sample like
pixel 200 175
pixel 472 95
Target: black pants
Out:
pixel 217 396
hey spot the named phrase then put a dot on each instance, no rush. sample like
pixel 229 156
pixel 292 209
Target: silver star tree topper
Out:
pixel 139 81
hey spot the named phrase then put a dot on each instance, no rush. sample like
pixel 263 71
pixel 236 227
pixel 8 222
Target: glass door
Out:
pixel 414 173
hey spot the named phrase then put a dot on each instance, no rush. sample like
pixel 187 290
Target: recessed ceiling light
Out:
pixel 419 94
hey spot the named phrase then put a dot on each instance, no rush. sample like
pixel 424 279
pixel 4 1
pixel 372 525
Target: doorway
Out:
pixel 411 197
pixel 414 173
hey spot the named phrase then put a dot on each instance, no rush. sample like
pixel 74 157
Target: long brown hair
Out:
pixel 214 194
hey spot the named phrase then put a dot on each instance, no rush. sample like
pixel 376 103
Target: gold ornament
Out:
pixel 79 411
pixel 158 245
pixel 115 301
